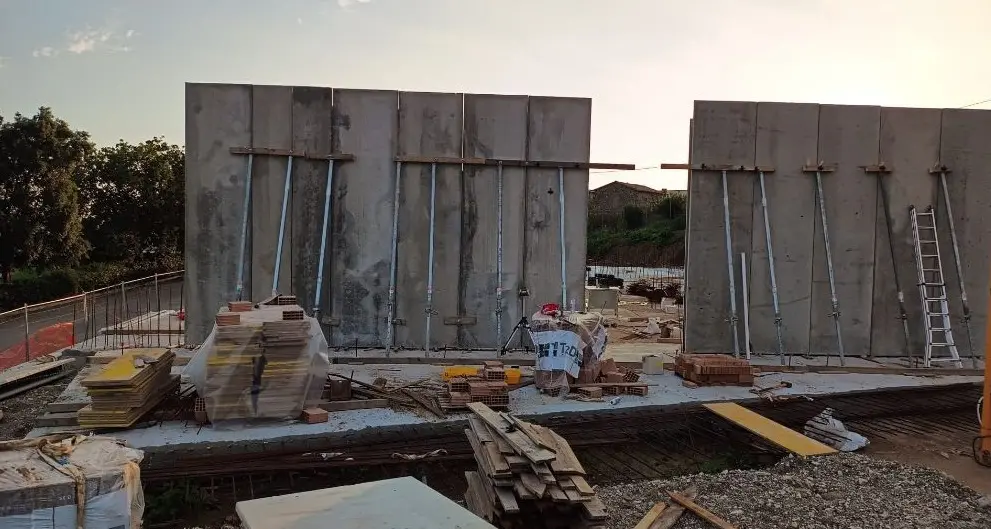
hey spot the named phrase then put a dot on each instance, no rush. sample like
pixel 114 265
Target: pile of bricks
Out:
pixel 714 370
pixel 613 380
pixel 489 388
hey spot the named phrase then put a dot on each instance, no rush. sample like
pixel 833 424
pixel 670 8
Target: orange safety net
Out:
pixel 43 342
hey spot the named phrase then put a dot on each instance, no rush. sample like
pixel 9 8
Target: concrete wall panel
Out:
pixel 364 125
pixel 786 140
pixel 723 133
pixel 495 127
pixel 909 146
pixel 430 124
pixel 312 123
pixel 218 117
pixel 966 151
pixel 559 130
pixel 270 129
pixel 848 140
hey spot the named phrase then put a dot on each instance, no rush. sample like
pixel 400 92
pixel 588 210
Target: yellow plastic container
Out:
pixel 459 371
pixel 512 375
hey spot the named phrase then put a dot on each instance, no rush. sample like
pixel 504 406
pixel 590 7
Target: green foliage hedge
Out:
pixel 29 286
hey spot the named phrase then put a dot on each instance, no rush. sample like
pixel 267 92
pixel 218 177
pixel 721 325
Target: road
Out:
pixel 105 309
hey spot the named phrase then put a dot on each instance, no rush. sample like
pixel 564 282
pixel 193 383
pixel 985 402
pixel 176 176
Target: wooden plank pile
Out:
pixel 714 370
pixel 489 387
pixel 259 367
pixel 128 388
pixel 528 476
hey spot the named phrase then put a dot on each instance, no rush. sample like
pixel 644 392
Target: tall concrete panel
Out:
pixel 270 105
pixel 966 151
pixel 364 125
pixel 559 130
pixel 312 123
pixel 786 140
pixel 430 124
pixel 724 132
pixel 848 141
pixel 909 146
pixel 218 117
pixel 495 127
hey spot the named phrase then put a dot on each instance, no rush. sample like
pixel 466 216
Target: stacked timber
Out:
pixel 714 370
pixel 128 388
pixel 528 476
pixel 259 365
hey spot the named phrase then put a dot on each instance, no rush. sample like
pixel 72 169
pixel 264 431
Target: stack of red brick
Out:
pixel 714 370
pixel 613 380
pixel 489 388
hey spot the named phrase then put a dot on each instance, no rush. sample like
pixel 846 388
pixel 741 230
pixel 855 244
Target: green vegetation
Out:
pixel 648 234
pixel 75 217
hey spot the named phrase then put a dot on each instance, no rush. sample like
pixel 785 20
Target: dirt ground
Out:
pixel 630 324
pixel 949 453
pixel 20 411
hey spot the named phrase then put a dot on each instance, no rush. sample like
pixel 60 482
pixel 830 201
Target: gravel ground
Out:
pixel 845 491
pixel 20 411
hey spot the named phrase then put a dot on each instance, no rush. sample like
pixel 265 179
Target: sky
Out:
pixel 116 68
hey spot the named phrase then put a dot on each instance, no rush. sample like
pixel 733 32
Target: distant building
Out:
pixel 613 197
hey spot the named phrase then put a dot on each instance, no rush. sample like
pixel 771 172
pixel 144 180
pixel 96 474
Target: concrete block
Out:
pixel 848 139
pixel 430 124
pixel 364 125
pixel 909 146
pixel 966 150
pixel 271 128
pixel 786 140
pixel 218 117
pixel 495 127
pixel 723 133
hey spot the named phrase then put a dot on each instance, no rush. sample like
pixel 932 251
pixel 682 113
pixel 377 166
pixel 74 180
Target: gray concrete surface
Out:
pixel 105 309
pixel 910 142
pixel 375 126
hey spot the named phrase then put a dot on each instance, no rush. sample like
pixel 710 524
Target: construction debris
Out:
pixel 839 491
pixel 528 476
pixel 128 388
pixel 714 370
pixel 487 386
pixel 828 430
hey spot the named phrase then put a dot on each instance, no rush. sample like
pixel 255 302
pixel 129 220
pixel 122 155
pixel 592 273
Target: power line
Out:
pixel 600 171
pixel 977 103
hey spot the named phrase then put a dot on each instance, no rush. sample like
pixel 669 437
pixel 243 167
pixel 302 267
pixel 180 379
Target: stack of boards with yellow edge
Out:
pixel 259 367
pixel 128 388
pixel 528 477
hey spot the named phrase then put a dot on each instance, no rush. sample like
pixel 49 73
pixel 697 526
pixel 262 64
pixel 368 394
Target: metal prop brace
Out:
pixel 770 269
pixel 327 210
pixel 941 170
pixel 835 314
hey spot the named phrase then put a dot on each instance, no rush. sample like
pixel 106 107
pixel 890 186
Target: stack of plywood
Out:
pixel 128 388
pixel 714 370
pixel 259 365
pixel 528 476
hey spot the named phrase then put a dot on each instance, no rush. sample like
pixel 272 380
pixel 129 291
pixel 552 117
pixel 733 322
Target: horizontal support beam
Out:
pixel 460 320
pixel 820 168
pixel 262 151
pixel 718 167
pixel 441 159
pixel 879 168
pixel 516 163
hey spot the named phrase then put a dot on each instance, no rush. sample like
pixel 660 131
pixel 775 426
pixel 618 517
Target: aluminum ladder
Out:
pixel 932 288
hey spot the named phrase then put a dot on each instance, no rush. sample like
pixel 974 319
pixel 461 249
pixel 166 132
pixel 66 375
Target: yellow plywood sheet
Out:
pixel 123 369
pixel 778 434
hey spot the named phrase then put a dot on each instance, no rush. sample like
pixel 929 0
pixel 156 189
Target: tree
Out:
pixel 133 199
pixel 40 159
pixel 634 217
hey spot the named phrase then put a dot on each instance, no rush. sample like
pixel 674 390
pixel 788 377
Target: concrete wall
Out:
pixel 786 136
pixel 377 126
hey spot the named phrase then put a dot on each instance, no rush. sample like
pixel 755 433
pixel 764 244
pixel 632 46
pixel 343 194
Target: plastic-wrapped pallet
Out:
pixel 260 363
pixel 569 347
pixel 43 481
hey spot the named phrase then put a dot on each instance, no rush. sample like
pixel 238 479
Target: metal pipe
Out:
pixel 770 268
pixel 729 268
pixel 499 298
pixel 244 229
pixel 282 227
pixel 829 266
pixel 390 336
pixel 430 256
pixel 956 263
pixel 327 199
pixel 564 255
pixel 746 303
pixel 903 314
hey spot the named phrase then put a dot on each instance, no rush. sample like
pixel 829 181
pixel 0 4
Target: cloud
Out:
pixel 130 33
pixel 348 3
pixel 84 41
pixel 46 51
pixel 4 61
pixel 299 21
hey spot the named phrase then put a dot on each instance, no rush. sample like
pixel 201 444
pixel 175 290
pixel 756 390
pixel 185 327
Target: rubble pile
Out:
pixel 843 491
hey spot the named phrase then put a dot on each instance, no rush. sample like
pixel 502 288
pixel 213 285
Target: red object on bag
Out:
pixel 550 309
